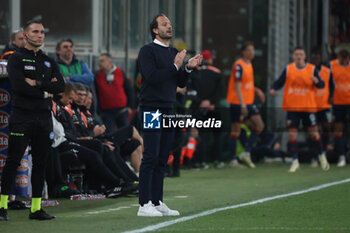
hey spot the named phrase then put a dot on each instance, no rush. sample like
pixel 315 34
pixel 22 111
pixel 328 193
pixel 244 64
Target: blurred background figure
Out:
pixel 17 41
pixel 114 93
pixel 72 69
pixel 205 92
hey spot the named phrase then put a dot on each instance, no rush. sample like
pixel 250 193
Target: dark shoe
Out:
pixel 64 191
pixel 3 214
pixel 123 189
pixel 129 188
pixel 114 192
pixel 136 192
pixel 17 205
pixel 40 215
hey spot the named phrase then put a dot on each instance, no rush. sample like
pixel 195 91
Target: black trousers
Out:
pixel 180 140
pixel 28 128
pixel 112 159
pixel 122 137
pixel 54 175
pixel 157 145
pixel 210 141
pixel 71 153
pixel 115 117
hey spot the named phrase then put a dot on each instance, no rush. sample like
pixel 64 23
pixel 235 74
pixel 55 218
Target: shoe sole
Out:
pixel 325 166
pixel 144 215
pixel 171 214
pixel 248 162
pixel 294 170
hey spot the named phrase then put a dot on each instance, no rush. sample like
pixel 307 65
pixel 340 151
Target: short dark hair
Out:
pixel 154 24
pixel 298 48
pixel 81 87
pixel 344 54
pixel 88 89
pixel 30 22
pixel 246 45
pixel 58 45
pixel 69 87
pixel 106 55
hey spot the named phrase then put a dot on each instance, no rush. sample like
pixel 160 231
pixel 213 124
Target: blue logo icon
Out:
pixel 151 120
pixel 52 135
pixel 47 64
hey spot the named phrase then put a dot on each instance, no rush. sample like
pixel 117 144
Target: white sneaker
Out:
pixel 148 210
pixel 245 157
pixel 235 164
pixel 341 161
pixel 314 163
pixel 323 161
pixel 164 209
pixel 295 166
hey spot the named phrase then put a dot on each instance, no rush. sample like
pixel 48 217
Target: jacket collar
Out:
pixel 24 50
pixel 160 43
pixel 74 60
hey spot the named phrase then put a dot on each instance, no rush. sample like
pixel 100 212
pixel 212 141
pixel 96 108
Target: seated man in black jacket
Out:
pixel 111 153
pixel 86 153
pixel 127 137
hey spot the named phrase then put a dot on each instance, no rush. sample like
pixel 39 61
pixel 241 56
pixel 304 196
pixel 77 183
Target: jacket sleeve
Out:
pixel 320 83
pixel 56 84
pixel 69 128
pixel 182 77
pixel 17 79
pixel 129 91
pixel 149 70
pixel 86 78
pixel 279 83
pixel 331 86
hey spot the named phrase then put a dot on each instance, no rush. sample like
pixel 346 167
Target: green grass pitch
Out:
pixel 325 210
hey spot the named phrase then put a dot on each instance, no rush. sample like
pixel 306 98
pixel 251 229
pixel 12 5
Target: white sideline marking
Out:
pixel 208 212
pixel 109 210
pixel 264 229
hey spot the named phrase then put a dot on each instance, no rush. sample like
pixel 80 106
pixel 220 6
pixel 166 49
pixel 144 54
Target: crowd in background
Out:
pixel 97 130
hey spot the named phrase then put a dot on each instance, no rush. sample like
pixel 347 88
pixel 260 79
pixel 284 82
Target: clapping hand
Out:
pixel 179 58
pixel 314 79
pixel 194 61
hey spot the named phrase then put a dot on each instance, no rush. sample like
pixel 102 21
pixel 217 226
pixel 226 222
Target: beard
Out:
pixel 67 56
pixel 164 36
